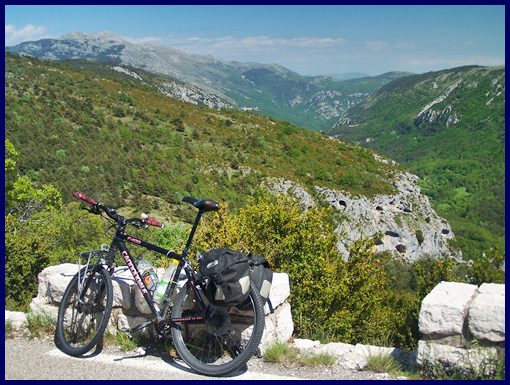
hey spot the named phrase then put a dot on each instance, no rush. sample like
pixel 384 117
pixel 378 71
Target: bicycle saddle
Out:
pixel 203 205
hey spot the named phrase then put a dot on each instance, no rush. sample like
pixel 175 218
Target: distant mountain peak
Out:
pixel 93 36
pixel 314 102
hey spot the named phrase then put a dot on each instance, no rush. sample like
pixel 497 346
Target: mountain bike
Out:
pixel 212 340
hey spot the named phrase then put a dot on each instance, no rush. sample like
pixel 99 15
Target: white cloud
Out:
pixel 14 35
pixel 255 43
pixel 142 40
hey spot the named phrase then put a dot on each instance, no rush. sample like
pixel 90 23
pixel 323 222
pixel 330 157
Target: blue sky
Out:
pixel 307 39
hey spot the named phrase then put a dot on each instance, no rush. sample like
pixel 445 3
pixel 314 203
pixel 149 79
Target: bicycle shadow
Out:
pixel 175 362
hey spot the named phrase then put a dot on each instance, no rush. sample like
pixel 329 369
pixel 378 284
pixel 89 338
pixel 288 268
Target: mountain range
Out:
pixel 314 102
pixel 446 126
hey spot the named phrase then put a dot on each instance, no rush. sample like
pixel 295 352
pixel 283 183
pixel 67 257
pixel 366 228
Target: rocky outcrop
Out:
pixel 462 327
pixel 17 319
pixel 405 221
pixel 192 94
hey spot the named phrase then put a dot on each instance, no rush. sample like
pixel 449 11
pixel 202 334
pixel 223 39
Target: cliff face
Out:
pixel 405 222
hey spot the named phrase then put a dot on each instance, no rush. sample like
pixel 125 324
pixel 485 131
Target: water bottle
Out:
pixel 149 276
pixel 168 276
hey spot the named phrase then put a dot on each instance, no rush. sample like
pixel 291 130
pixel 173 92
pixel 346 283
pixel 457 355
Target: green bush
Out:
pixel 331 298
pixel 39 232
pixel 26 254
pixel 487 269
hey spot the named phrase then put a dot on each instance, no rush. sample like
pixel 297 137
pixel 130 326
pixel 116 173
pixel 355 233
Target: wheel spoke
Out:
pixel 84 314
pixel 223 342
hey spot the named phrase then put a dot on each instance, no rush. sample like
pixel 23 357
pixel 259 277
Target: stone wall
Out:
pixel 462 326
pixel 130 308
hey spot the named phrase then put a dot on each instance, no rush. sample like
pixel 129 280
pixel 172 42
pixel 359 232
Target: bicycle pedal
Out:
pixel 126 330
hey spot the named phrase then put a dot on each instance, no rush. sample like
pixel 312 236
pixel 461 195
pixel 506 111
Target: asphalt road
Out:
pixel 41 360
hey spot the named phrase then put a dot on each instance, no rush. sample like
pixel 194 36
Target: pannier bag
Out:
pixel 228 274
pixel 262 277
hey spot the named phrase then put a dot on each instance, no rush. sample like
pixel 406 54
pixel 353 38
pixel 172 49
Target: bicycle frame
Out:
pixel 119 242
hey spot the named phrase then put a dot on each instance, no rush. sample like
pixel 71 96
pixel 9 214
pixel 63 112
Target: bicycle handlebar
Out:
pixel 83 197
pixel 112 213
pixel 151 221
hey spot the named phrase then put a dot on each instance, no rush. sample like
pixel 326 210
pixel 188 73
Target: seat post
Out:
pixel 192 233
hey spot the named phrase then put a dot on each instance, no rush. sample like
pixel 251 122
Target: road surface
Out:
pixel 41 360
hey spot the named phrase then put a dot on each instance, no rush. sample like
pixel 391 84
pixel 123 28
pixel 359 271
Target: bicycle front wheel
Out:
pixel 84 311
pixel 217 340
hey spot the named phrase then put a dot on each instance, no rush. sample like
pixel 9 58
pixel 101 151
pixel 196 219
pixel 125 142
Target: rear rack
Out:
pixel 104 256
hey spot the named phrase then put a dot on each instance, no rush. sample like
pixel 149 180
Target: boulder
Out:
pixel 445 308
pixel 122 283
pixel 304 344
pixel 53 281
pixel 280 291
pixel 17 319
pixel 278 327
pixel 475 359
pixel 39 305
pixel 346 355
pixel 487 313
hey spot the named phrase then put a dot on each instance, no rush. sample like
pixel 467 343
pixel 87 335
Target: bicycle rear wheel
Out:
pixel 219 340
pixel 84 311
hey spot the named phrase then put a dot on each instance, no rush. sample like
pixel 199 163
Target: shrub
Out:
pixel 331 298
pixel 39 231
pixel 487 269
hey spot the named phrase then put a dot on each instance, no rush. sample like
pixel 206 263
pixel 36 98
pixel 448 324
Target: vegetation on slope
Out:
pixel 461 164
pixel 120 141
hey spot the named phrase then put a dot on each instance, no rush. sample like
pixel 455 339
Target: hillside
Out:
pixel 104 132
pixel 122 141
pixel 449 128
pixel 314 102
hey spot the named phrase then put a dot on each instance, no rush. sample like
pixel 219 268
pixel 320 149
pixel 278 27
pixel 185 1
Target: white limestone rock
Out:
pixel 53 281
pixel 487 313
pixel 123 288
pixel 304 344
pixel 445 308
pixel 280 291
pixel 17 319
pixel 408 223
pixel 479 358
pixel 278 327
pixel 346 355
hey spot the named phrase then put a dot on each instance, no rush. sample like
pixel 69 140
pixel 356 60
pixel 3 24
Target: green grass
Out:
pixel 282 353
pixel 40 325
pixel 125 341
pixel 383 363
pixel 9 329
